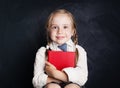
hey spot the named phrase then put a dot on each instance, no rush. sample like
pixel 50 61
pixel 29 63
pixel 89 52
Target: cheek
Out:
pixel 52 34
pixel 69 34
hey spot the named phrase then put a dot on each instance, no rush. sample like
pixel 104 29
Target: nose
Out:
pixel 60 30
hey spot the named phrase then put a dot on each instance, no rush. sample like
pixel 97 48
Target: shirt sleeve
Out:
pixel 40 77
pixel 79 74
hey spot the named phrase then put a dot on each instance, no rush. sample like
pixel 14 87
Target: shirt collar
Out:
pixel 54 46
pixel 70 42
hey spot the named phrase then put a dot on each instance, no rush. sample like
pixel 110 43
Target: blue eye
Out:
pixel 65 27
pixel 54 27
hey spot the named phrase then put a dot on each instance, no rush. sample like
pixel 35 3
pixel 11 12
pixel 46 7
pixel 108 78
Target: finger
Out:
pixel 47 63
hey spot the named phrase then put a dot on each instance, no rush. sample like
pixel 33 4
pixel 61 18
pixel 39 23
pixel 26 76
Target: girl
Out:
pixel 61 29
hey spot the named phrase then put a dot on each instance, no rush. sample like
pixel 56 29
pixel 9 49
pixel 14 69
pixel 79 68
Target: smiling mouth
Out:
pixel 60 37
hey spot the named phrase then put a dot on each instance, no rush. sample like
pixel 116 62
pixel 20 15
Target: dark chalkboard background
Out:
pixel 22 33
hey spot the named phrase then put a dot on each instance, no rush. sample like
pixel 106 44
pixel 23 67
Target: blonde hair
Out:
pixel 50 18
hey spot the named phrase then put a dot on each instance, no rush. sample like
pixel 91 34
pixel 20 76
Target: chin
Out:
pixel 60 43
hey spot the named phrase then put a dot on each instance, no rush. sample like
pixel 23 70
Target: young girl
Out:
pixel 61 29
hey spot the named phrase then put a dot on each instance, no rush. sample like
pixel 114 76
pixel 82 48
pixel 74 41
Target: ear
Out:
pixel 73 31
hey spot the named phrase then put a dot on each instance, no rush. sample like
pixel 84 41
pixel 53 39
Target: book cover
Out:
pixel 62 59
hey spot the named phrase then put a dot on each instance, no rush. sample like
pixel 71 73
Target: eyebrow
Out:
pixel 56 24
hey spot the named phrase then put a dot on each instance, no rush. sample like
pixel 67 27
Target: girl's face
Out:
pixel 61 29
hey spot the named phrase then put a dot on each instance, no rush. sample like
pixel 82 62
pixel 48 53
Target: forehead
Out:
pixel 61 18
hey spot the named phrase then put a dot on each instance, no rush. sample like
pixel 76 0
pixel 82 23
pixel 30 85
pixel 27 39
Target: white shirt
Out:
pixel 78 75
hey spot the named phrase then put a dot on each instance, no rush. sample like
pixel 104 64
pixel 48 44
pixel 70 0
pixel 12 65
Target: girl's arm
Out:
pixel 54 73
pixel 79 74
pixel 40 78
pixel 51 79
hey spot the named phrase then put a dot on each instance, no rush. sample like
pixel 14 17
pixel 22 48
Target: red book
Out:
pixel 62 59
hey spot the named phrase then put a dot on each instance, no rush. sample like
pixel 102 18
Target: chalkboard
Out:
pixel 22 33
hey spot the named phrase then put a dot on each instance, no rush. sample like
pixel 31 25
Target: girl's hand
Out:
pixel 49 68
pixel 54 73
